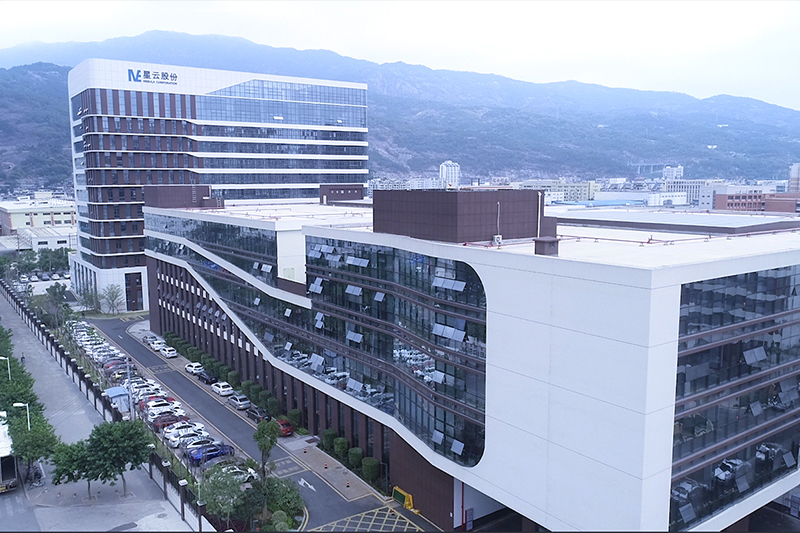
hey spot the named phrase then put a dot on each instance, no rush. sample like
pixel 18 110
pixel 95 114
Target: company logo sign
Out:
pixel 152 76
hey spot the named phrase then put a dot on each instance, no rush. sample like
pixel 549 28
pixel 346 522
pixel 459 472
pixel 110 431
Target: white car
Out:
pixel 169 352
pixel 34 277
pixel 223 388
pixel 156 345
pixel 176 437
pixel 194 368
pixel 169 430
pixel 154 413
pixel 55 277
pixel 161 403
pixel 23 279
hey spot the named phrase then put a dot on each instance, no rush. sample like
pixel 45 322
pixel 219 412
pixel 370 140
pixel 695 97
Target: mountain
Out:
pixel 418 117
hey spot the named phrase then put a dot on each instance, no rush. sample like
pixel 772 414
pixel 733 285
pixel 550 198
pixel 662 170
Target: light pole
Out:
pixel 27 409
pixel 8 363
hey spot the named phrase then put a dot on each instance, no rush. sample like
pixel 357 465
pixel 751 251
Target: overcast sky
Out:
pixel 699 48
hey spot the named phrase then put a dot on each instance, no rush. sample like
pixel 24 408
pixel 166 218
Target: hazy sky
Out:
pixel 700 48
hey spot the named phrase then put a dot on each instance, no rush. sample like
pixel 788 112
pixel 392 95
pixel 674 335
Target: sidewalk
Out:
pixel 68 507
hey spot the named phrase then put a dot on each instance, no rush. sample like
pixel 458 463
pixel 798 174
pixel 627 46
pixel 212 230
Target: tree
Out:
pixel 52 260
pixel 116 445
pixel 90 299
pixel 340 446
pixel 37 443
pixel 26 262
pixel 371 468
pixel 284 495
pixel 112 297
pixel 221 492
pixel 327 439
pixel 354 457
pixel 266 436
pixel 72 463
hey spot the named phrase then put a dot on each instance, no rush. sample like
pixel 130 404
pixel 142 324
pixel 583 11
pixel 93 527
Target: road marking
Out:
pixel 120 336
pixel 305 483
pixel 380 519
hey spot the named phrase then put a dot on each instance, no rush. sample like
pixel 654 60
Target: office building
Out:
pixel 672 173
pixel 794 178
pixel 41 210
pixel 574 191
pixel 640 372
pixel 245 136
pixel 449 175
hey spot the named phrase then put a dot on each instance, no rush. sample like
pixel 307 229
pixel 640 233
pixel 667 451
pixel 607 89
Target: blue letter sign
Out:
pixel 134 76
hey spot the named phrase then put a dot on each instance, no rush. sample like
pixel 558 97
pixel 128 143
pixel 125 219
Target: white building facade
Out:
pixel 449 175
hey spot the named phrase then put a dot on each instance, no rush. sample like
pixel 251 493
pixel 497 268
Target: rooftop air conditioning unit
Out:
pixel 497 240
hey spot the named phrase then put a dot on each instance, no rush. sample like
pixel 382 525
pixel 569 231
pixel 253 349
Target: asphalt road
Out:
pixel 324 504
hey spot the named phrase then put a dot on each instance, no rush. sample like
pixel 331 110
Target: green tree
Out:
pixel 222 492
pixel 354 457
pixel 295 417
pixel 327 439
pixel 26 262
pixel 71 462
pixel 53 260
pixel 112 296
pixel 273 407
pixel 340 445
pixel 116 447
pixel 371 468
pixel 266 436
pixel 37 443
pixel 90 300
pixel 283 495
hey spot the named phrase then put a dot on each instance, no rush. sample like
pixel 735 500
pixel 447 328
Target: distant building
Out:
pixel 690 187
pixel 712 189
pixel 648 198
pixel 449 174
pixel 754 201
pixel 574 191
pixel 40 211
pixel 672 173
pixel 794 178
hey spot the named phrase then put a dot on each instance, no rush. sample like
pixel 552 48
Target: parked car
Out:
pixel 34 277
pixel 257 414
pixel 176 437
pixel 206 378
pixel 147 339
pixel 166 420
pixel 161 396
pixel 24 279
pixel 286 428
pixel 195 442
pixel 182 425
pixel 169 352
pixel 194 368
pixel 239 401
pixel 204 453
pixel 55 276
pixel 45 277
pixel 157 344
pixel 66 275
pixel 243 474
pixel 155 412
pixel 160 402
pixel 223 388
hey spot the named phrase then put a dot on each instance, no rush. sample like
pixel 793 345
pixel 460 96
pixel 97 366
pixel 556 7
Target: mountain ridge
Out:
pixel 491 124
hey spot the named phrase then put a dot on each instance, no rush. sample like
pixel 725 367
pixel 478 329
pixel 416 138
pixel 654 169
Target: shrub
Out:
pixel 354 456
pixel 327 439
pixel 254 393
pixel 246 387
pixel 263 396
pixel 295 417
pixel 205 359
pixel 273 407
pixel 182 347
pixel 233 378
pixel 193 354
pixel 340 446
pixel 279 516
pixel 301 431
pixel 371 468
pixel 216 369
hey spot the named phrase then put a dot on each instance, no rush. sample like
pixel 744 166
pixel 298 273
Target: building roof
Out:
pixel 637 237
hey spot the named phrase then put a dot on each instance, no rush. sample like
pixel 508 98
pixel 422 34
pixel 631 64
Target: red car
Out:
pixel 143 402
pixel 167 420
pixel 286 428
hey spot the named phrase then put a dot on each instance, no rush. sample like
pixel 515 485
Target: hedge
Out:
pixel 354 456
pixel 327 439
pixel 370 468
pixel 340 445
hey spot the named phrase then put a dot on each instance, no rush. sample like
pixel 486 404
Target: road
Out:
pixel 324 504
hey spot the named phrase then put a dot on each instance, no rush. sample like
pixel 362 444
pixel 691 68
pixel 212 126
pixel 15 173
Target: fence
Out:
pixel 180 494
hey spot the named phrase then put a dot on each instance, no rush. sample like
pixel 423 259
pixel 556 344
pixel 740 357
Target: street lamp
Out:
pixel 8 363
pixel 27 409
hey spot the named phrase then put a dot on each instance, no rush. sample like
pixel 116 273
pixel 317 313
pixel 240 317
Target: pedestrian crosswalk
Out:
pixel 12 503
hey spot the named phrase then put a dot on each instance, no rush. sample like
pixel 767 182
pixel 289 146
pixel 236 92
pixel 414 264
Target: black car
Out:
pixel 206 378
pixel 257 414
